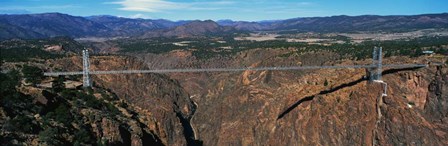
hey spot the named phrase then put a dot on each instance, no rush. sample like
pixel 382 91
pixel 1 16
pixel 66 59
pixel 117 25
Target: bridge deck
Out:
pixel 232 69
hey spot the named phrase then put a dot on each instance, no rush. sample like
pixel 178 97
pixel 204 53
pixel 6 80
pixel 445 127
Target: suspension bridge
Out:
pixel 374 73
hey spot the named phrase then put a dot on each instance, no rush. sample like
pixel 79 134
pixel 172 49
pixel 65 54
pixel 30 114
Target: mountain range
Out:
pixel 29 26
pixel 191 29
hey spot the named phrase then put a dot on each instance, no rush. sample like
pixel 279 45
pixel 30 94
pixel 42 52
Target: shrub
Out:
pixel 68 94
pixel 11 100
pixel 50 136
pixel 123 104
pixel 58 84
pixel 112 109
pixel 90 100
pixel 22 123
pixel 32 74
pixel 7 84
pixel 61 114
pixel 82 136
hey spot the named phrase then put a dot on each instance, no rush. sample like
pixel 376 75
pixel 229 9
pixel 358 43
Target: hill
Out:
pixel 133 26
pixel 56 24
pixel 363 23
pixel 52 25
pixel 30 26
pixel 193 29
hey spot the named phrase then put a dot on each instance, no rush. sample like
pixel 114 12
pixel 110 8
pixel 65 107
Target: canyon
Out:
pixel 316 107
pixel 264 107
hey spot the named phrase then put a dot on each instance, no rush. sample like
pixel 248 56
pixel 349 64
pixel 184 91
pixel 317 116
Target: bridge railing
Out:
pixel 231 69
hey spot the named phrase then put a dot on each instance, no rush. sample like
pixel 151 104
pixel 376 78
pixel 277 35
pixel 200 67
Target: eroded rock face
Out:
pixel 436 106
pixel 296 108
pixel 110 130
pixel 161 100
pixel 246 116
pixel 316 107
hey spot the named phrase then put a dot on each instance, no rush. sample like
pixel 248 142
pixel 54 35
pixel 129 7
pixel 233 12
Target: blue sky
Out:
pixel 250 10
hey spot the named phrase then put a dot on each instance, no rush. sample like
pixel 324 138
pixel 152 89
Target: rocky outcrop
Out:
pixel 436 100
pixel 315 107
pixel 32 115
pixel 299 108
pixel 166 107
pixel 242 115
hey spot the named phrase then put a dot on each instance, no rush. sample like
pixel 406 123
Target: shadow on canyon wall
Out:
pixel 345 85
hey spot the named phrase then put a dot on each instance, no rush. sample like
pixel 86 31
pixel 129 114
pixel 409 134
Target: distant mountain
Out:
pixel 244 25
pixel 193 29
pixel 8 31
pixel 363 23
pixel 51 25
pixel 346 23
pixel 225 22
pixel 56 24
pixel 133 26
pixel 28 26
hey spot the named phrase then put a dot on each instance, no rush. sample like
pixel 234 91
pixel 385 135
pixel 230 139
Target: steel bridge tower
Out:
pixel 377 63
pixel 376 70
pixel 85 68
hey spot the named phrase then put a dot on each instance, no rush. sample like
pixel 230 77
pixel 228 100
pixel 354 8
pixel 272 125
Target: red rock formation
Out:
pixel 286 107
pixel 161 100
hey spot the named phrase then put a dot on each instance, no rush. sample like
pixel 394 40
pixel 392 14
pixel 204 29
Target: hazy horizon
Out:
pixel 248 10
pixel 220 19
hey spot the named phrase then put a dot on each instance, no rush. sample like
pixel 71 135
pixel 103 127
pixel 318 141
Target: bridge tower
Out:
pixel 375 77
pixel 85 68
pixel 376 71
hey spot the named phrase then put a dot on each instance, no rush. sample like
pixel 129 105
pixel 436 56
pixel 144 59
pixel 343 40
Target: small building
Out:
pixel 428 52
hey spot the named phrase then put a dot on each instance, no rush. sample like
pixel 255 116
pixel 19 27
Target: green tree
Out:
pixel 50 136
pixel 58 84
pixel 91 100
pixel 8 83
pixel 112 109
pixel 12 101
pixel 418 52
pixel 61 114
pixel 83 136
pixel 32 74
pixel 21 123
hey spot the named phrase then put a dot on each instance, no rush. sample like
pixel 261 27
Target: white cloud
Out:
pixel 164 5
pixel 139 15
pixel 147 5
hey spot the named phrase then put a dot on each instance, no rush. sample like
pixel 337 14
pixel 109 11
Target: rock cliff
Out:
pixel 316 107
pixel 164 103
